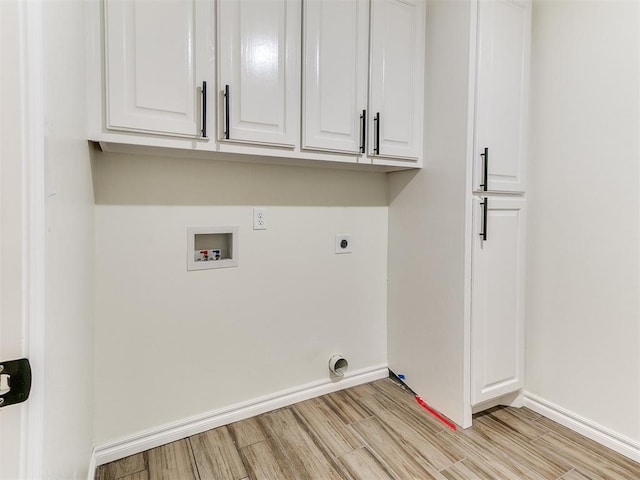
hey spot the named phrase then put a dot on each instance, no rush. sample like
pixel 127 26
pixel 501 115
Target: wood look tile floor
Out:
pixel 378 431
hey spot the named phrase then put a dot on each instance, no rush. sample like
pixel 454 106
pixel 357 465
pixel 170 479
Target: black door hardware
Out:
pixel 15 381
pixel 485 206
pixel 363 129
pixel 204 109
pixel 376 130
pixel 227 126
pixel 485 169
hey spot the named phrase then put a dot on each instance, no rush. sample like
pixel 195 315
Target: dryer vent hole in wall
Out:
pixel 338 365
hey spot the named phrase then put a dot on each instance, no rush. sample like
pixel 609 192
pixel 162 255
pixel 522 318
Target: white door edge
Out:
pixel 35 198
pixel 23 154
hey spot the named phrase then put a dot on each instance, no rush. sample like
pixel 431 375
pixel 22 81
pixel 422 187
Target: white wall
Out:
pixel 171 344
pixel 68 416
pixel 427 228
pixel 583 315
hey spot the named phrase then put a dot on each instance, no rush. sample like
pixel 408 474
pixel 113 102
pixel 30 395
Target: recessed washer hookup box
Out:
pixel 212 247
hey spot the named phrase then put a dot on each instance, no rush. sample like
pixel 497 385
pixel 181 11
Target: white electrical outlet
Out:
pixel 259 218
pixel 343 243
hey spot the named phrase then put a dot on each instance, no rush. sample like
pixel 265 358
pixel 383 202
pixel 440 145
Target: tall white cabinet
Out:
pixel 499 221
pixel 503 51
pixel 497 298
pixel 457 228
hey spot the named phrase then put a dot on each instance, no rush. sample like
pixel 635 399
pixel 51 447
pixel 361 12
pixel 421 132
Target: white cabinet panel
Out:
pixel 497 306
pixel 397 76
pixel 259 61
pixel 157 56
pixel 335 73
pixel 504 33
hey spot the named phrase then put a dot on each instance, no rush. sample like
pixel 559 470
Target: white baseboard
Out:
pixel 91 474
pixel 168 433
pixel 621 444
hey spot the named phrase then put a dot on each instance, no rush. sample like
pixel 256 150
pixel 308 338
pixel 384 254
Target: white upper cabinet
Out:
pixel 259 71
pixel 335 75
pixel 504 37
pixel 363 71
pixel 396 79
pixel 178 73
pixel 158 57
pixel 497 304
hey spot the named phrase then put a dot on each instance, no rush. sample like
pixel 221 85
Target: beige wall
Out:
pixel 583 311
pixel 171 344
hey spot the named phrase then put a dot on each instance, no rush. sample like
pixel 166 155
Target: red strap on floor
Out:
pixel 433 412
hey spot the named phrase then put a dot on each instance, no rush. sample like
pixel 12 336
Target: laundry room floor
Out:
pixel 377 431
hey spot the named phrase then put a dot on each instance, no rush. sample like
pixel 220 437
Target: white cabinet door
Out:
pixel 504 37
pixel 497 302
pixel 259 55
pixel 158 54
pixel 335 74
pixel 396 79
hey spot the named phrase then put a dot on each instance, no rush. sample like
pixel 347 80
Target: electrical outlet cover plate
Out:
pixel 259 218
pixel 343 243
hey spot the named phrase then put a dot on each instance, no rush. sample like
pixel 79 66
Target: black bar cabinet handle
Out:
pixel 204 109
pixel 376 148
pixel 227 126
pixel 363 130
pixel 485 207
pixel 485 171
